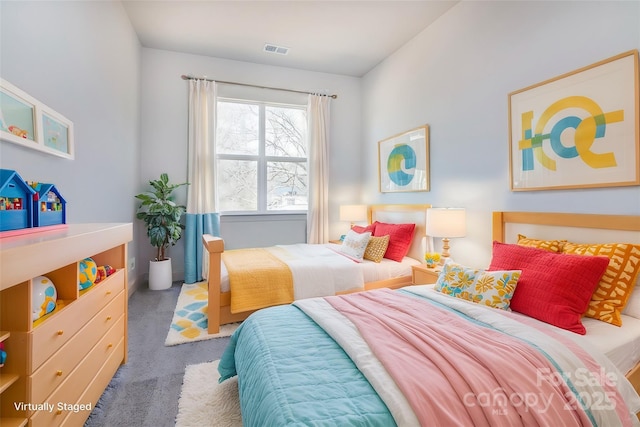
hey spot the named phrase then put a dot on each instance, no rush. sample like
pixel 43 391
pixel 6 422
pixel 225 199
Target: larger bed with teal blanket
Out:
pixel 435 362
pixel 439 356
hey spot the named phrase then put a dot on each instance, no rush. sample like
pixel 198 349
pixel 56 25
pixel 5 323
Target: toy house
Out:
pixel 16 207
pixel 49 207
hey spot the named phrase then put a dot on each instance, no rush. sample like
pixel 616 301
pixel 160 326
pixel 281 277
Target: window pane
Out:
pixel 237 128
pixel 238 185
pixel 285 132
pixel 287 186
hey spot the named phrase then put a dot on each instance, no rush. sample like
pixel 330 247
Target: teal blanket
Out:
pixel 297 375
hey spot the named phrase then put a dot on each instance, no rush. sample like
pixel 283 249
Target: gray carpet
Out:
pixel 145 391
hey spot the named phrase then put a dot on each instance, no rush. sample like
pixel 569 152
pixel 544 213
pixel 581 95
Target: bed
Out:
pixel 371 275
pixel 351 360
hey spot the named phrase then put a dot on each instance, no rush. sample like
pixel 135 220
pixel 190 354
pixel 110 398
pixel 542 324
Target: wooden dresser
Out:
pixel 58 366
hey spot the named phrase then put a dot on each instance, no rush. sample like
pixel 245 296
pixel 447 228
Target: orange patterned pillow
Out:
pixel 376 248
pixel 547 245
pixel 616 284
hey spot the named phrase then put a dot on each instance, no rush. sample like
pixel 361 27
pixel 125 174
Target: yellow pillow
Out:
pixel 376 248
pixel 547 245
pixel 618 280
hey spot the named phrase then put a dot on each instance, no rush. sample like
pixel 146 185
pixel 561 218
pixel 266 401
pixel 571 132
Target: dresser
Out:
pixel 58 365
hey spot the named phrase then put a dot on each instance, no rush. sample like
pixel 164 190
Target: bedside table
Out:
pixel 423 275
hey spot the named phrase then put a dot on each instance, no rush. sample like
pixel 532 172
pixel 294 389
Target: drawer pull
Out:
pixel 59 373
pixel 60 332
pixel 108 317
pixel 108 292
pixel 59 411
pixel 110 345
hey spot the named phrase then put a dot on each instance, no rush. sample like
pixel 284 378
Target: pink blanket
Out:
pixel 449 371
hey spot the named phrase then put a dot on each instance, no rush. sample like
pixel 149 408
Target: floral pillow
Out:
pixel 492 288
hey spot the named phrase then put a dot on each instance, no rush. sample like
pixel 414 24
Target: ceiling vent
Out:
pixel 280 50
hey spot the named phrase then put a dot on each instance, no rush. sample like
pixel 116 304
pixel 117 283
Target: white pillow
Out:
pixel 355 244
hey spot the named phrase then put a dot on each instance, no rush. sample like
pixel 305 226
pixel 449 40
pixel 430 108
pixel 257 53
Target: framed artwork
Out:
pixel 28 122
pixel 17 115
pixel 57 132
pixel 403 161
pixel 577 130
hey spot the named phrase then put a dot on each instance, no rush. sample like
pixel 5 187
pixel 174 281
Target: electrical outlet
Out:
pixel 132 264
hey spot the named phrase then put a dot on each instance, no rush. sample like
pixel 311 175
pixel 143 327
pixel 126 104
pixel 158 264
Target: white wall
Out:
pixel 83 60
pixel 164 137
pixel 456 75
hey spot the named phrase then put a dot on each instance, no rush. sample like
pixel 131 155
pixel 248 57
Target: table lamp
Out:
pixel 353 213
pixel 446 223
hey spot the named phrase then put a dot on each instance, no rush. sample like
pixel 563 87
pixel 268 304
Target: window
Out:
pixel 261 157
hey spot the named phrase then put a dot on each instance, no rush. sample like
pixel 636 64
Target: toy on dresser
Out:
pixel 43 297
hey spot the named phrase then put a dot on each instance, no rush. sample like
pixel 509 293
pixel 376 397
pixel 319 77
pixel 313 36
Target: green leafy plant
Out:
pixel 161 214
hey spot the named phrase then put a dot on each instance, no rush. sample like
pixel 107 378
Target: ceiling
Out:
pixel 332 36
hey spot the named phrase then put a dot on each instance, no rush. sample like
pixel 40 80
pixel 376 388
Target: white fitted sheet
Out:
pixel 620 344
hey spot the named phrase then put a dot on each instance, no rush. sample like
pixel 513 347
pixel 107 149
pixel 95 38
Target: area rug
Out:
pixel 204 402
pixel 190 321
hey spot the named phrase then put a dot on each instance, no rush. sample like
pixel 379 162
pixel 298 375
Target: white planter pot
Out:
pixel 160 275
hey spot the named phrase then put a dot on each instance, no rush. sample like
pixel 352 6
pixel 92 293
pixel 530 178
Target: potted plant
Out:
pixel 161 216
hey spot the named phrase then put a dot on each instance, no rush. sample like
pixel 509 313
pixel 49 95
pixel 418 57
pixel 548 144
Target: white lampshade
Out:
pixel 353 213
pixel 446 222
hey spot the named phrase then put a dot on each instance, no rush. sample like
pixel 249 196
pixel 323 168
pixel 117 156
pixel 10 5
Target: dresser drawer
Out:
pixel 55 371
pixel 99 382
pixel 107 354
pixel 48 337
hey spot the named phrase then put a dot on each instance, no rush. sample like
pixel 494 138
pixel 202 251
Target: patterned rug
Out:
pixel 190 321
pixel 204 402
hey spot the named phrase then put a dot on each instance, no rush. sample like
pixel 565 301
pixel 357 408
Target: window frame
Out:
pixel 261 158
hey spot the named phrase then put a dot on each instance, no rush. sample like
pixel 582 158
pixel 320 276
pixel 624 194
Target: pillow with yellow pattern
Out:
pixel 492 288
pixel 615 286
pixel 547 245
pixel 376 248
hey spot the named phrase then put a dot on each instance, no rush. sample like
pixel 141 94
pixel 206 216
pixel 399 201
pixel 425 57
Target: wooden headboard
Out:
pixel 404 214
pixel 579 228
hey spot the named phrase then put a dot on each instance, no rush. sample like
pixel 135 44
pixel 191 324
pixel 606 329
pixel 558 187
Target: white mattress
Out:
pixel 371 271
pixel 620 344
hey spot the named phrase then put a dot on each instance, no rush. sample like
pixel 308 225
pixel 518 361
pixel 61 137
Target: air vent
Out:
pixel 280 50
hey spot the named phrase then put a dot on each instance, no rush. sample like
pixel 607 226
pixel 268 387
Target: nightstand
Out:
pixel 423 275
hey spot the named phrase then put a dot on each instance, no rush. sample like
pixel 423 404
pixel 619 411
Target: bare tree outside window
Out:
pixel 262 157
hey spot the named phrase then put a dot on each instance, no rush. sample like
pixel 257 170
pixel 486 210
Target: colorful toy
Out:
pixel 43 297
pixel 88 271
pixel 104 271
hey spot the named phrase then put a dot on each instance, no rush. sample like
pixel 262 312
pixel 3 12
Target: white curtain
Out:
pixel 318 134
pixel 202 206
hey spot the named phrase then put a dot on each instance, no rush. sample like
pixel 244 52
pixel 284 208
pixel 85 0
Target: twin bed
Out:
pixel 417 356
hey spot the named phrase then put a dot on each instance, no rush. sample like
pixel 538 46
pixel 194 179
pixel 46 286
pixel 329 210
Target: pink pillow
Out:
pixel 400 237
pixel 555 288
pixel 359 229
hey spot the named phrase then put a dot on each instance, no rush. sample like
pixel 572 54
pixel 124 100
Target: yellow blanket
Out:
pixel 257 279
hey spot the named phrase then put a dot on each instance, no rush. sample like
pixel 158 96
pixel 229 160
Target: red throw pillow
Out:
pixel 400 237
pixel 359 229
pixel 555 288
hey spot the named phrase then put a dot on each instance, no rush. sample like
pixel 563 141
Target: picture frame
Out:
pixel 17 116
pixel 577 130
pixel 57 133
pixel 30 123
pixel 403 161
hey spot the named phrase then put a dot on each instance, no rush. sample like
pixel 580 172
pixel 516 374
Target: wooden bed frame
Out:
pixel 623 223
pixel 219 310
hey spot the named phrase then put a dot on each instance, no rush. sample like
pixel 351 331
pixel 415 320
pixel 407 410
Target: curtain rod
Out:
pixel 185 77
